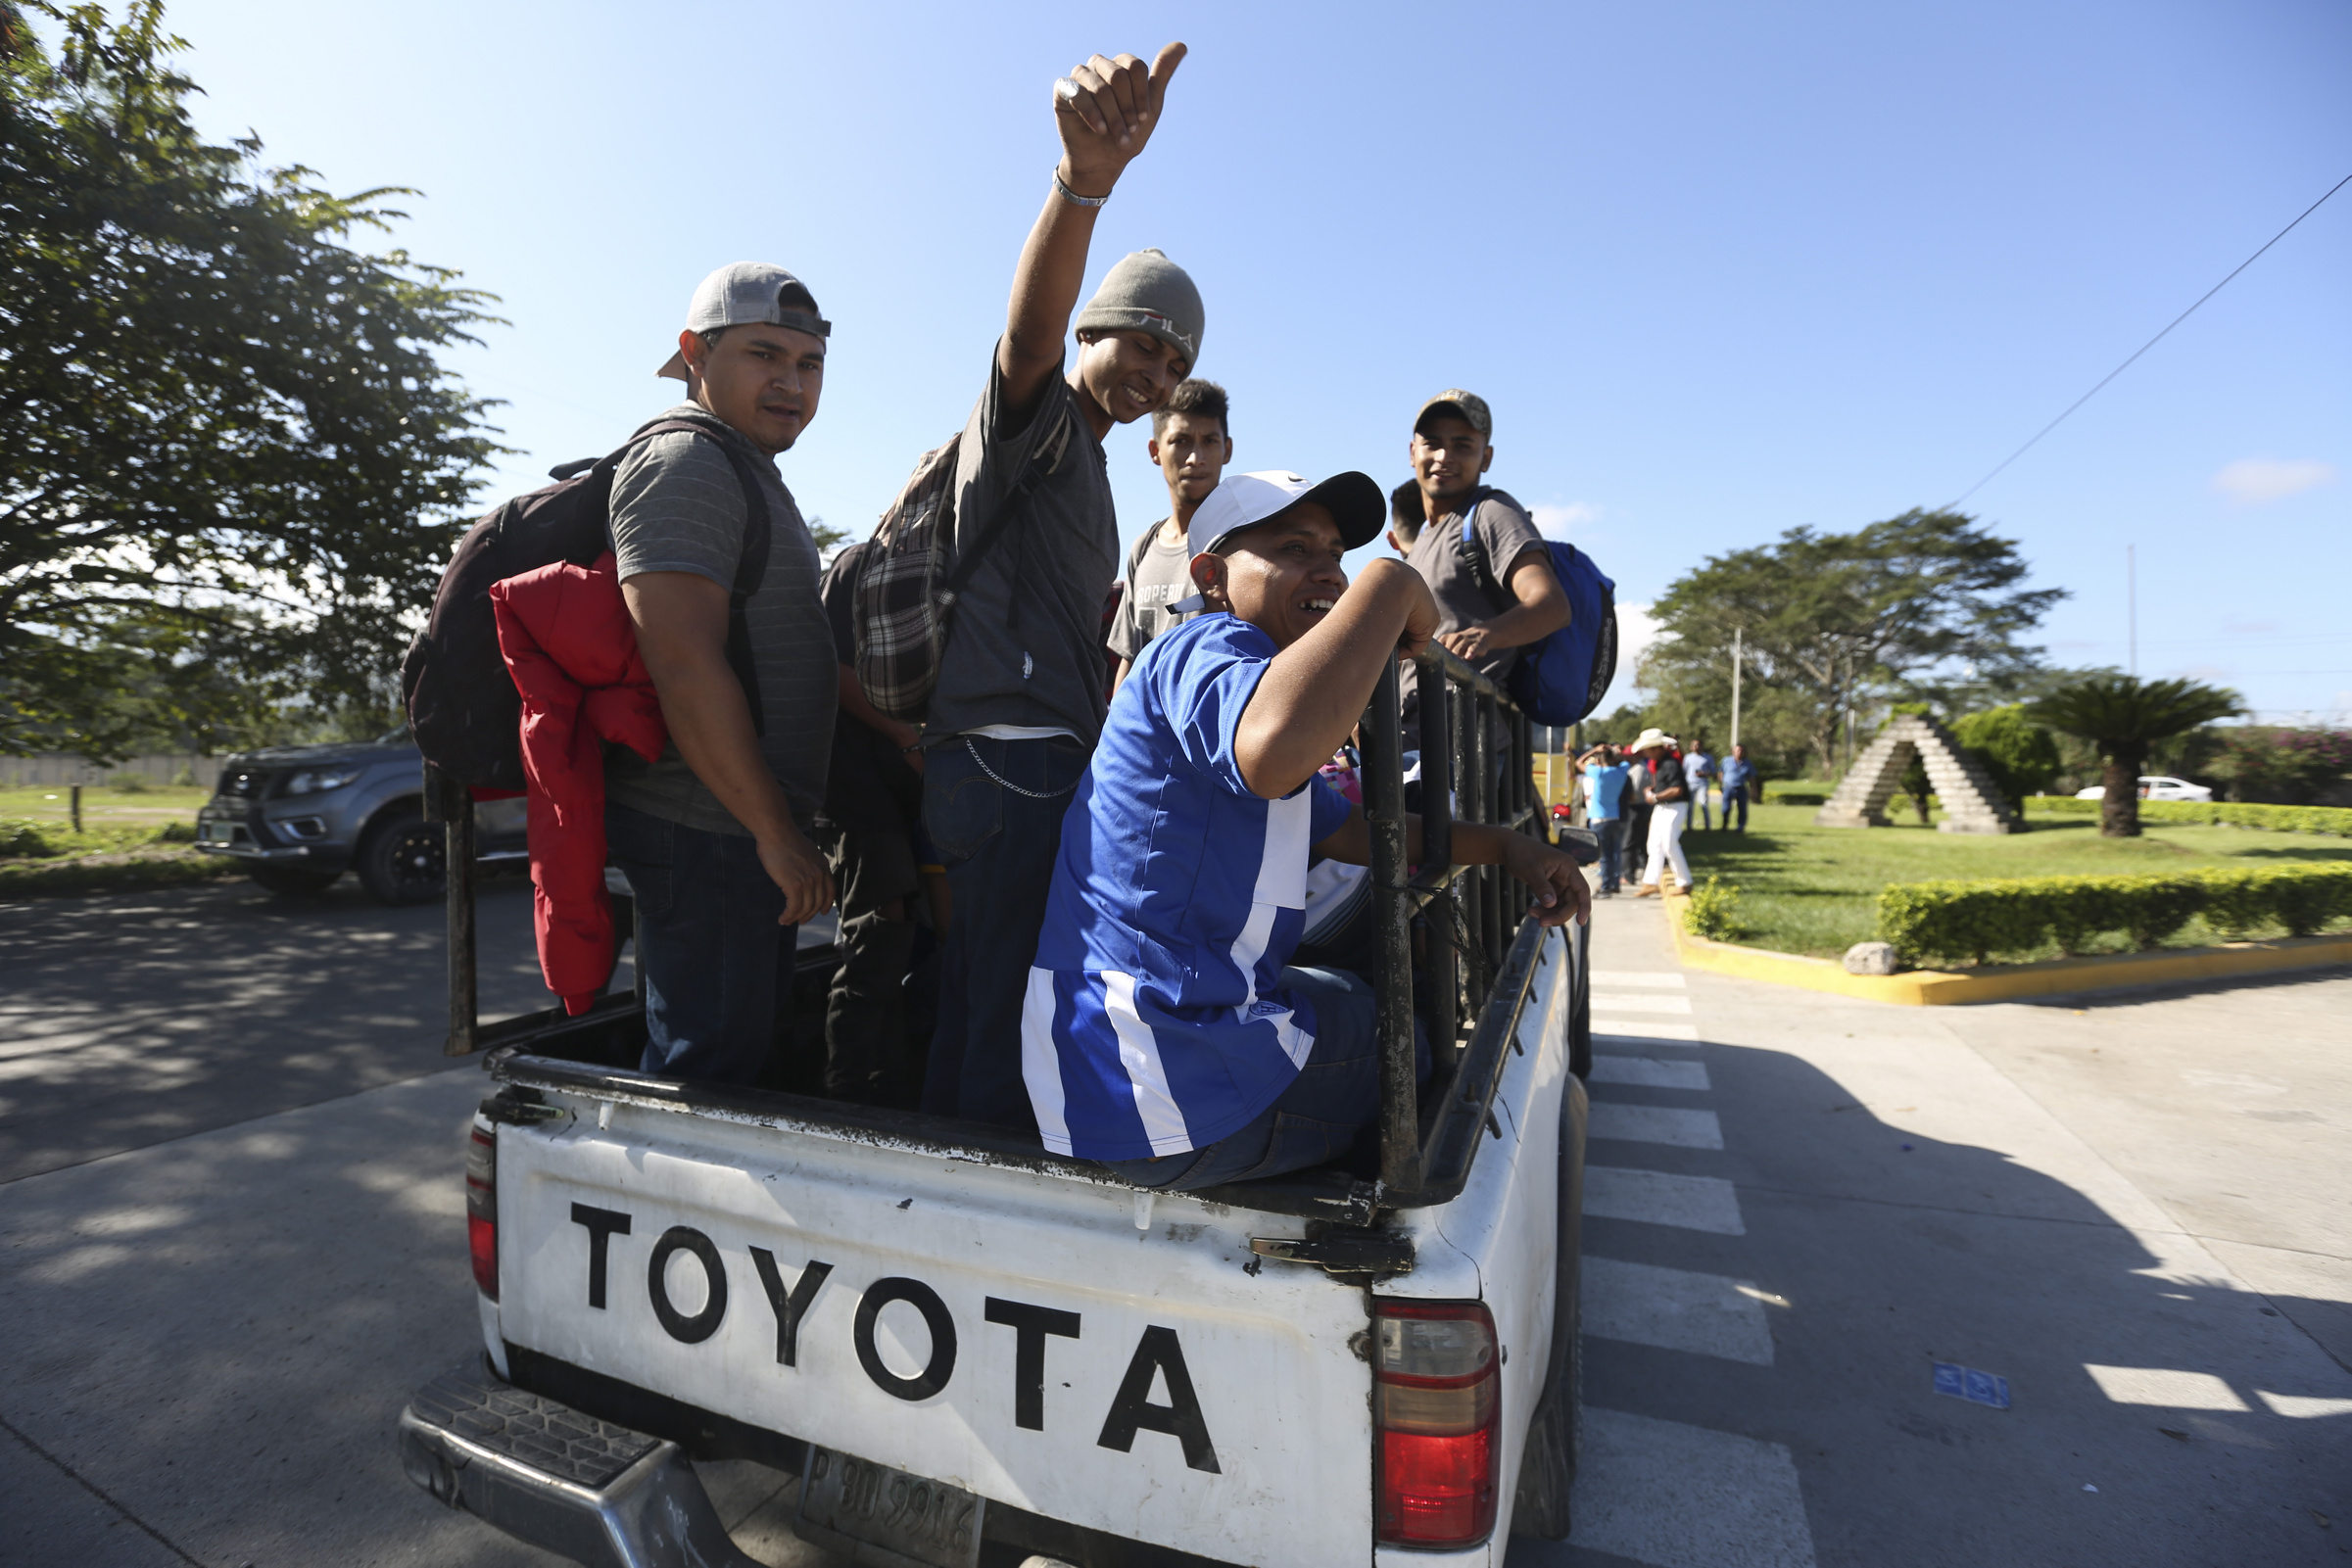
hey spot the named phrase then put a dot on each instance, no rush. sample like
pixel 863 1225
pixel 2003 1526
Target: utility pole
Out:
pixel 1735 686
pixel 2132 604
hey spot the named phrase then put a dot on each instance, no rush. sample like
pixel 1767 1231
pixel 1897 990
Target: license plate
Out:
pixel 873 1514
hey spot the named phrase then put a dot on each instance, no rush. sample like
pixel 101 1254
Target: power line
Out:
pixel 2143 348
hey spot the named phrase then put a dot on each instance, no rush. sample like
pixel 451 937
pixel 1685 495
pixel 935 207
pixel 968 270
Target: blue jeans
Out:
pixel 1737 795
pixel 1611 831
pixel 718 967
pixel 1698 810
pixel 999 845
pixel 1335 1096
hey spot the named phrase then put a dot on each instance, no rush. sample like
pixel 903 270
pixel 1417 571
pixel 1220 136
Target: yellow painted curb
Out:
pixel 2008 982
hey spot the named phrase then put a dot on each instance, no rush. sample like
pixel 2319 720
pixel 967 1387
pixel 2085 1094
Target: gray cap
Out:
pixel 1146 292
pixel 741 293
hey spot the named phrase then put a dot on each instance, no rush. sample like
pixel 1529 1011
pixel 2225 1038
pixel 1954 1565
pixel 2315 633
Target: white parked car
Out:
pixel 2154 786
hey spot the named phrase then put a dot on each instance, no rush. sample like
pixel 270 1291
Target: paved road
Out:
pixel 232 1243
pixel 2133 1212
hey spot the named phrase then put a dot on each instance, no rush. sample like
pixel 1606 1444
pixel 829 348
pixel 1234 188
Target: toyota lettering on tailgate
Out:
pixel 793 1293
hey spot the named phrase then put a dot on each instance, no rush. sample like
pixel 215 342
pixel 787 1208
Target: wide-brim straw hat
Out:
pixel 1653 737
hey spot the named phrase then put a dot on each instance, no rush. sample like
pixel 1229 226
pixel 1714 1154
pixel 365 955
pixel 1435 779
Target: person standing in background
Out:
pixel 1191 442
pixel 1405 516
pixel 1697 768
pixel 1636 810
pixel 1605 777
pixel 1670 811
pixel 1739 782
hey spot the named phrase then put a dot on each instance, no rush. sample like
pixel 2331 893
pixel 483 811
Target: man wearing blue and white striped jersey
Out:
pixel 1165 1034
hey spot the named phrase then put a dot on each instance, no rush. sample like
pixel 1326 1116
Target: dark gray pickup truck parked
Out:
pixel 299 816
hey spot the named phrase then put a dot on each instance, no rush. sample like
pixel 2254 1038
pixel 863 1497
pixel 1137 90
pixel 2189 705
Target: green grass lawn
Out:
pixel 101 806
pixel 1807 890
pixel 129 838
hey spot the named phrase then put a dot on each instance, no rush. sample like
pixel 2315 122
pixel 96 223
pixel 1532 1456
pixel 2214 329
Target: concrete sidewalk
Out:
pixel 1808 1202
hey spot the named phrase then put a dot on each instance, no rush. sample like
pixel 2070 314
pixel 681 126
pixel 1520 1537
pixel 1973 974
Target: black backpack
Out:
pixel 463 709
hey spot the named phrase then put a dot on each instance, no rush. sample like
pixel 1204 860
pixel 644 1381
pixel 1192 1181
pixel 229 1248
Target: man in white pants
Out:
pixel 1670 813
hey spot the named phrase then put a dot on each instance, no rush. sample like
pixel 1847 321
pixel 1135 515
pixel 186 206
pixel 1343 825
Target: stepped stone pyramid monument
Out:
pixel 1971 805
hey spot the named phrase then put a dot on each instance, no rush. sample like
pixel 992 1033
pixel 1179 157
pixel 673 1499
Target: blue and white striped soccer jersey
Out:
pixel 1156 1021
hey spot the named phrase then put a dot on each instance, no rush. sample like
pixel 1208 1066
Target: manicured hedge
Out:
pixel 2337 820
pixel 1948 921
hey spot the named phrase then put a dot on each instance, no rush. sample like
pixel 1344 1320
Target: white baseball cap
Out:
pixel 741 293
pixel 1244 501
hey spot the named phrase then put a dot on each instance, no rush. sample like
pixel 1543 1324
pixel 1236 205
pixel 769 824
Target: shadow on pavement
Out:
pixel 2216 1431
pixel 131 1017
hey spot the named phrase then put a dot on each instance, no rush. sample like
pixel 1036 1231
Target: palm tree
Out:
pixel 2122 716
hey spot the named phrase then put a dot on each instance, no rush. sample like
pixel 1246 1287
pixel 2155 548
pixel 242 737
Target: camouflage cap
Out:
pixel 1455 404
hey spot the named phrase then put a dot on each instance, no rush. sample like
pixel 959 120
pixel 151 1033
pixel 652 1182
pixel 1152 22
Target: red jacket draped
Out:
pixel 568 643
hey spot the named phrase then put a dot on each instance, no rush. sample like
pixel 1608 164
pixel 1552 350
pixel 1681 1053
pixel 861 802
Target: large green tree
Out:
pixel 1832 624
pixel 230 466
pixel 2124 716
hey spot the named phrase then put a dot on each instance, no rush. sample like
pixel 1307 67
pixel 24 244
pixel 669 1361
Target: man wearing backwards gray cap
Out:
pixel 1020 696
pixel 713 837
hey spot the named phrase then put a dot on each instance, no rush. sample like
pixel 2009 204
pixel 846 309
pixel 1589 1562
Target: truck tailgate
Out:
pixel 1004 1330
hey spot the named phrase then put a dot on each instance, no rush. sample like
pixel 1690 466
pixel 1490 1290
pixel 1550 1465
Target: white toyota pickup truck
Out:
pixel 972 1351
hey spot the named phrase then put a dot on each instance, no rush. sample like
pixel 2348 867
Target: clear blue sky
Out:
pixel 1721 269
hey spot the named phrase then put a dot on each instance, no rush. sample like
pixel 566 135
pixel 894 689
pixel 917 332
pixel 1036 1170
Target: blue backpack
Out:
pixel 1563 678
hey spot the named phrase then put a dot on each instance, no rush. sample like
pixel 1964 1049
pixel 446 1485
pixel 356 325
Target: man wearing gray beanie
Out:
pixel 1023 683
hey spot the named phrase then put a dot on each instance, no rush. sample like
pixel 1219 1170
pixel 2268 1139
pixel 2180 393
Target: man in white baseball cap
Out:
pixel 720 577
pixel 1166 1031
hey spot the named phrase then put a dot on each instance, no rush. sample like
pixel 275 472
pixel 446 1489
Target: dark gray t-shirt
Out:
pixel 676 506
pixel 1503 527
pixel 1025 648
pixel 1158 575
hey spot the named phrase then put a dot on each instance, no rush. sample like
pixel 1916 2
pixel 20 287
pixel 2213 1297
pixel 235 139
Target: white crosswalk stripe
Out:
pixel 1656 1492
pixel 1665 981
pixel 1643 1029
pixel 1655 1123
pixel 1661 1198
pixel 1675 1309
pixel 1683 1496
pixel 1648 1073
pixel 1641 1004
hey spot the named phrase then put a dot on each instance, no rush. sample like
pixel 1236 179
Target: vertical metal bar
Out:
pixel 1523 770
pixel 1466 902
pixel 1490 901
pixel 1437 766
pixel 454 805
pixel 1443 988
pixel 1384 810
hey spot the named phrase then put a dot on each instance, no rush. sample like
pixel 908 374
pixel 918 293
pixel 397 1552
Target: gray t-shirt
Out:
pixel 676 506
pixel 1503 527
pixel 1026 646
pixel 1158 575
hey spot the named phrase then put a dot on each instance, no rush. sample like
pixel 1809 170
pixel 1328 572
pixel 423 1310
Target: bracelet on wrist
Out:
pixel 1072 197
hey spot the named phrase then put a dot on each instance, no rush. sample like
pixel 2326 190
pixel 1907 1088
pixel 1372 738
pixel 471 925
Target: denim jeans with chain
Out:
pixel 994 809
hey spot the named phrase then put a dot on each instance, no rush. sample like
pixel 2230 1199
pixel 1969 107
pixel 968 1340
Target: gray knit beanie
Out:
pixel 1146 292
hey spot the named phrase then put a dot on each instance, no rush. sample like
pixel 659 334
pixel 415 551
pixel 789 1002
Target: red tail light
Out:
pixel 482 1207
pixel 1435 1402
